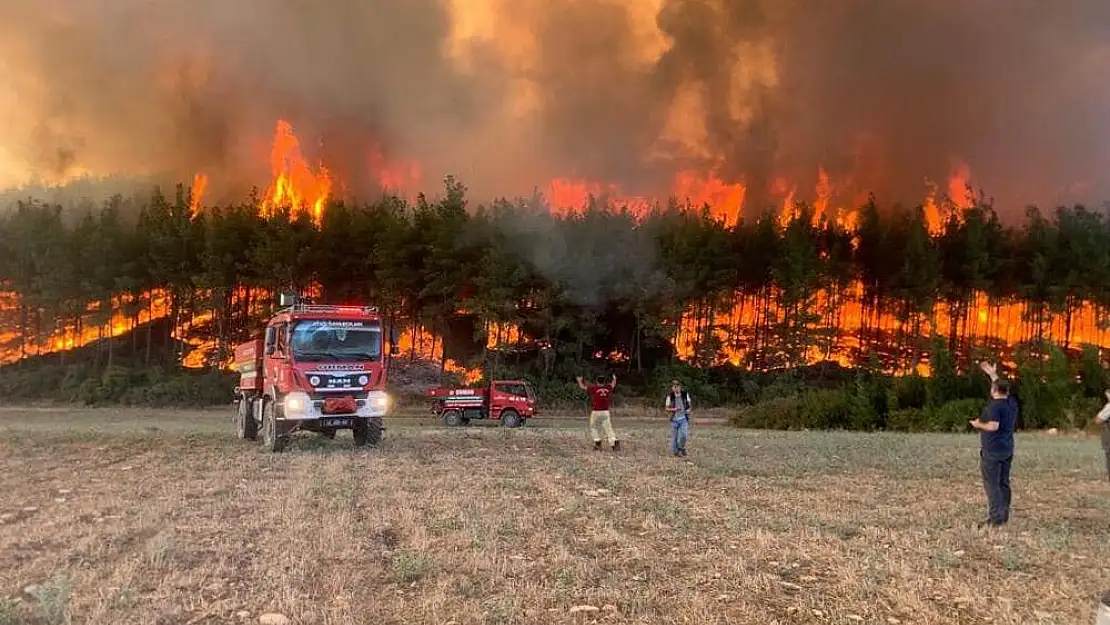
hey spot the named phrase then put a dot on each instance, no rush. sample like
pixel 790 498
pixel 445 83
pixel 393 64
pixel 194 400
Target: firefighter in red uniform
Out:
pixel 600 395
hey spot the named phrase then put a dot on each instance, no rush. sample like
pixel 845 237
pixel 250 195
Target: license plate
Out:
pixel 335 422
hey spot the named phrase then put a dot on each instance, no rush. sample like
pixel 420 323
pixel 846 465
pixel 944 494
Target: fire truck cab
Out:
pixel 319 368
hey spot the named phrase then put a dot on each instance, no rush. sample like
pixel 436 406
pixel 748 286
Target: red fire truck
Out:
pixel 511 402
pixel 318 368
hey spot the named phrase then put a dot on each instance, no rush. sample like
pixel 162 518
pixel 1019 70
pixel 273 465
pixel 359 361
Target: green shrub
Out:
pixel 840 409
pixel 1080 414
pixel 908 392
pixel 780 388
pixel 907 420
pixel 819 409
pixel 84 384
pixel 781 413
pixel 828 409
pixel 1048 389
pixel 1092 376
pixel 954 415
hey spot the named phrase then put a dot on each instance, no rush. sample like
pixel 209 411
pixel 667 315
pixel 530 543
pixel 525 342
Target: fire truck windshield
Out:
pixel 330 340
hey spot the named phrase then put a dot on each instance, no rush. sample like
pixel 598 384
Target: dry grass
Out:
pixel 132 517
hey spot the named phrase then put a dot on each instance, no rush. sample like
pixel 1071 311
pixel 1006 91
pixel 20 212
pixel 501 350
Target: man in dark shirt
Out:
pixel 600 397
pixel 996 453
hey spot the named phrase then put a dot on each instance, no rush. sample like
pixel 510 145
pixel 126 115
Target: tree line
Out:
pixel 604 284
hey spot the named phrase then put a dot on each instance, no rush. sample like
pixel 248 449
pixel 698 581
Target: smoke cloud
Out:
pixel 509 94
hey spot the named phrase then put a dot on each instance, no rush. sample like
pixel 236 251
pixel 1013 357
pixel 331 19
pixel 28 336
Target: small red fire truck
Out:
pixel 511 402
pixel 318 368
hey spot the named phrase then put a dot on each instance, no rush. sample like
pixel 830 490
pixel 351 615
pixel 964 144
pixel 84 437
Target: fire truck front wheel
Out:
pixel 368 432
pixel 511 419
pixel 274 437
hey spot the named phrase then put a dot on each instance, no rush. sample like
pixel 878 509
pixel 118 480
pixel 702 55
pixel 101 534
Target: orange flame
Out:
pixel 959 199
pixel 958 183
pixel 471 375
pixel 71 335
pixel 1004 323
pixel 424 345
pixel 196 194
pixel 197 358
pixel 726 201
pixel 400 178
pixel 295 184
pixel 568 196
pixel 824 194
pixel 502 334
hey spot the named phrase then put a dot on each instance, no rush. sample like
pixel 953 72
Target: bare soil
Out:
pixel 159 517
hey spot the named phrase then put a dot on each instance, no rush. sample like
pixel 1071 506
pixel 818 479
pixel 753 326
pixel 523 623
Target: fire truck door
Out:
pixel 497 402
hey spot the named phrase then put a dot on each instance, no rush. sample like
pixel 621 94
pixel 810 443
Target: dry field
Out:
pixel 121 517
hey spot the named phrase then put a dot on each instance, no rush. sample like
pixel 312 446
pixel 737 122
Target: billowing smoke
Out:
pixel 508 94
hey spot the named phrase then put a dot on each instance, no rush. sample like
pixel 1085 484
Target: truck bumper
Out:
pixel 376 405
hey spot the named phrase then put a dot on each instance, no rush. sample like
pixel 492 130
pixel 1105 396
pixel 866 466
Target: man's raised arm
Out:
pixel 989 369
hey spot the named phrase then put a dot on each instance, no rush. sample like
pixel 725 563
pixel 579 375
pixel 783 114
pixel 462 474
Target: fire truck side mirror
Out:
pixel 270 342
pixel 394 338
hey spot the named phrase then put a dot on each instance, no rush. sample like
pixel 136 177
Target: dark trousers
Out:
pixel 996 481
pixel 1106 447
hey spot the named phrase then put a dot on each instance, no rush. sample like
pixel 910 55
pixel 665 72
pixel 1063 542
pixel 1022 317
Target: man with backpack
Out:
pixel 678 405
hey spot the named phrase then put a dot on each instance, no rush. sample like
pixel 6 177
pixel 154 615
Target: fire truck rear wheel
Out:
pixel 453 419
pixel 274 439
pixel 511 419
pixel 246 427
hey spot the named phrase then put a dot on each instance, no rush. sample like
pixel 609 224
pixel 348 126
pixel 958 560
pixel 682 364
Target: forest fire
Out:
pixel 848 331
pixel 295 185
pixel 80 332
pixel 420 344
pixel 738 334
pixel 725 200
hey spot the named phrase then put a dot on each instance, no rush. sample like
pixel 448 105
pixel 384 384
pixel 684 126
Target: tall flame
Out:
pixel 958 191
pixel 959 199
pixel 294 182
pixel 725 200
pixel 196 194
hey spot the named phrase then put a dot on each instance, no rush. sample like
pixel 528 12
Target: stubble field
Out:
pixel 153 517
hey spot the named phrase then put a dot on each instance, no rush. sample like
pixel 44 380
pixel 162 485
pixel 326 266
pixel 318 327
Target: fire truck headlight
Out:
pixel 363 380
pixel 381 402
pixel 296 403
